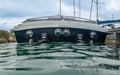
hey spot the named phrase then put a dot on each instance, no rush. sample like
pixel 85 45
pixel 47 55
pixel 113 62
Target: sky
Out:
pixel 13 12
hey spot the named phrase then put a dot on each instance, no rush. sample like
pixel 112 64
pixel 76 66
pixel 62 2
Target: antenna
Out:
pixel 60 7
pixel 112 16
pixel 74 8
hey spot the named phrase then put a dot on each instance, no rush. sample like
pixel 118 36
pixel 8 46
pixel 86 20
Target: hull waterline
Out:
pixel 85 37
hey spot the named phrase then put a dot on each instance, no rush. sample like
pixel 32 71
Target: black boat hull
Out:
pixel 51 37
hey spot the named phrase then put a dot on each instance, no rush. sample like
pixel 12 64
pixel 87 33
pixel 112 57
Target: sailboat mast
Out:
pixel 74 8
pixel 96 9
pixel 91 9
pixel 60 7
pixel 79 8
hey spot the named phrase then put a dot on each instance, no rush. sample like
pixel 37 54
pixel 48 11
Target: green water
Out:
pixel 59 59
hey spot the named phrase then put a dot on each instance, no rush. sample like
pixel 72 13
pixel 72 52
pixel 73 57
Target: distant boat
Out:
pixel 59 29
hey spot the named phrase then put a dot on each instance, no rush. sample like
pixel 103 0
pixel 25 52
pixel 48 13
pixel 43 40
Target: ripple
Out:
pixel 55 57
pixel 24 69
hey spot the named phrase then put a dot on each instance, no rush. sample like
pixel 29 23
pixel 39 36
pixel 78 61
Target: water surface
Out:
pixel 59 59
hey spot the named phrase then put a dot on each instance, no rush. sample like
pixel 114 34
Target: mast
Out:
pixel 91 9
pixel 74 8
pixel 60 7
pixel 79 8
pixel 97 10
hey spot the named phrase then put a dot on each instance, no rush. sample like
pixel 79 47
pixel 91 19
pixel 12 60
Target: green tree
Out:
pixel 4 35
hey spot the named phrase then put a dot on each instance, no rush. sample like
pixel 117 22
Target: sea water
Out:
pixel 59 59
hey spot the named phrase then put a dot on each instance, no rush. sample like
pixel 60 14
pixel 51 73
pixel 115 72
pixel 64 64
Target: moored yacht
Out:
pixel 59 29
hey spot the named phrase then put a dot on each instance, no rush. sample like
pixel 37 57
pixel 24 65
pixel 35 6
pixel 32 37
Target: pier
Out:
pixel 114 36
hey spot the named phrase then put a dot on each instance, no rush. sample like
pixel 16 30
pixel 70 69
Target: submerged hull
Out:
pixel 85 37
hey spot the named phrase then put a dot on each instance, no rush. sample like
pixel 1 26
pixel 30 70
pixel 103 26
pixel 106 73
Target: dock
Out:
pixel 113 37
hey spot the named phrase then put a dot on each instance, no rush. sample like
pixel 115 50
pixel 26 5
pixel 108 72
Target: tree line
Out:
pixel 6 36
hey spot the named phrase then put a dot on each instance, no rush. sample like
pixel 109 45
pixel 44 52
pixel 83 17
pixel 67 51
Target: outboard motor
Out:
pixel 66 32
pixel 29 35
pixel 58 32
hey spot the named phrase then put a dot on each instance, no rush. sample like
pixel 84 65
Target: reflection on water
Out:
pixel 59 59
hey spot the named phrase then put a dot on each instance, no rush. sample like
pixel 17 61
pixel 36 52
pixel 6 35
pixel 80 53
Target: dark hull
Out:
pixel 51 37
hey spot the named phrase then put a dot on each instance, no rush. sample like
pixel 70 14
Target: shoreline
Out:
pixel 3 42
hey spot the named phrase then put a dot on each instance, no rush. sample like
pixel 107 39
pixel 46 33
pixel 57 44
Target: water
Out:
pixel 59 59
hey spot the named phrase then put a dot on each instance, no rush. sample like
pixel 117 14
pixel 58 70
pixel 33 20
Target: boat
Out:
pixel 59 28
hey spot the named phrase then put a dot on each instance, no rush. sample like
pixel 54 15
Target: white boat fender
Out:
pixel 29 34
pixel 58 32
pixel 66 32
pixel 93 34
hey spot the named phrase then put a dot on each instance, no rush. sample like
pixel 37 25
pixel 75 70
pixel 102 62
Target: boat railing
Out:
pixel 57 17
